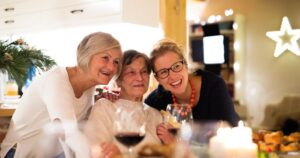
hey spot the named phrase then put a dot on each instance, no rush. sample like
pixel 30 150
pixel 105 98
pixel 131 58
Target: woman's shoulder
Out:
pixel 53 78
pixel 55 70
pixel 103 102
pixel 159 98
pixel 159 93
pixel 55 74
pixel 152 112
pixel 207 76
pixel 101 106
pixel 209 80
pixel 151 109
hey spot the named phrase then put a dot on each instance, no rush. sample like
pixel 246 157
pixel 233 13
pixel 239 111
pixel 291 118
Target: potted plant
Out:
pixel 19 61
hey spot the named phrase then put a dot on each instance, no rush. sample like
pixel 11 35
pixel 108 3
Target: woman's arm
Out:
pixel 58 97
pixel 222 102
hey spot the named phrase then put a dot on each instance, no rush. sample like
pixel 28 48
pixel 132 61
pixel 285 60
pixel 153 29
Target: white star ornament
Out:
pixel 286 38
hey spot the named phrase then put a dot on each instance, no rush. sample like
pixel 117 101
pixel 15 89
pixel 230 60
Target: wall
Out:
pixel 267 79
pixel 61 44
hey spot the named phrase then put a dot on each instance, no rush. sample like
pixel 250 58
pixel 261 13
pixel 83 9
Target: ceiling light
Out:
pixel 9 21
pixel 235 26
pixel 218 18
pixel 76 11
pixel 229 12
pixel 211 19
pixel 10 9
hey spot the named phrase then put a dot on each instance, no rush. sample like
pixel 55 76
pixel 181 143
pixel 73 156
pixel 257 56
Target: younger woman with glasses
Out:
pixel 206 93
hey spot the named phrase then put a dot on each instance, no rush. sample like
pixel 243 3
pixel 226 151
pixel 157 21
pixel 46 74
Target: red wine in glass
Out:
pixel 129 139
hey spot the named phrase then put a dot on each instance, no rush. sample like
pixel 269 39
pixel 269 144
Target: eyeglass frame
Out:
pixel 168 69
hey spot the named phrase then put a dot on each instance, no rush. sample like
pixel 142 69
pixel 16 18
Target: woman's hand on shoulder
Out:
pixel 108 95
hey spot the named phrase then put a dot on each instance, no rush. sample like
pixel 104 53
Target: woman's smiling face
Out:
pixel 134 80
pixel 176 82
pixel 104 65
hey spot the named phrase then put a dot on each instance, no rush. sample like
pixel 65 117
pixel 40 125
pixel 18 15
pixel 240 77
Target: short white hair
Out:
pixel 92 44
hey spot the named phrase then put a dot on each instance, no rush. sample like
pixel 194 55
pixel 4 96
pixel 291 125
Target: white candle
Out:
pixel 242 133
pixel 247 151
pixel 236 150
pixel 217 143
pixel 233 143
pixel 241 145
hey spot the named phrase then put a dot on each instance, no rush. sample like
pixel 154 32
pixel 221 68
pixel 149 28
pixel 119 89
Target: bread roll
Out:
pixel 274 138
pixel 289 147
pixel 157 150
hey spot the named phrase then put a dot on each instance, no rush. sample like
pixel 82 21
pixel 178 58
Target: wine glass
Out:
pixel 130 126
pixel 194 138
pixel 179 114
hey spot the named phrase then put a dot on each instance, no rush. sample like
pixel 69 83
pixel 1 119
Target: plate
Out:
pixel 279 155
pixel 295 154
pixel 12 97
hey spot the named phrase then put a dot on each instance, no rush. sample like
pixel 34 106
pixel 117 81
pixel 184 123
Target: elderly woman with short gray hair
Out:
pixel 64 95
pixel 133 81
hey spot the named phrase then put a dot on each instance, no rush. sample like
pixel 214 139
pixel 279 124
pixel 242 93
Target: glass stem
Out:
pixel 130 152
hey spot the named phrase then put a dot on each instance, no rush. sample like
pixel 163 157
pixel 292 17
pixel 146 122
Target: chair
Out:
pixel 275 115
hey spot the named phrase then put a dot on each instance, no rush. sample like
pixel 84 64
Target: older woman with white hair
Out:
pixel 64 95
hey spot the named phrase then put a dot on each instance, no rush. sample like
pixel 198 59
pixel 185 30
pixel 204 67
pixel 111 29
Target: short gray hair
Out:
pixel 92 44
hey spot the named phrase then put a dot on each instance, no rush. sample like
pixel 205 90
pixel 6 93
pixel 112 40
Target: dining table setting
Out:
pixel 204 139
pixel 217 139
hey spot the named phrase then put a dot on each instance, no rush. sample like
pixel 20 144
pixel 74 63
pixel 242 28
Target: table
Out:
pixel 7 111
pixel 5 114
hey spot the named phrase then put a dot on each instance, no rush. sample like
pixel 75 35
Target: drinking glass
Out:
pixel 179 114
pixel 198 133
pixel 130 126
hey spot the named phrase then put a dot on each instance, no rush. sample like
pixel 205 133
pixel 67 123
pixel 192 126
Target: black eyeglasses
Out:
pixel 164 73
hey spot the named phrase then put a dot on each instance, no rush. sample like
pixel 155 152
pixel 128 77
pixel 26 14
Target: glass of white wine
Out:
pixel 179 113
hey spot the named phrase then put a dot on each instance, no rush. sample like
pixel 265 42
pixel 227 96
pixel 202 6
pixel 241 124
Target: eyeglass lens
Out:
pixel 176 67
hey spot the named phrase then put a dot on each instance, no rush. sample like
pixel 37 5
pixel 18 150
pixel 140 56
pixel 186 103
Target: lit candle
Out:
pixel 217 143
pixel 233 143
pixel 241 145
pixel 240 150
pixel 242 133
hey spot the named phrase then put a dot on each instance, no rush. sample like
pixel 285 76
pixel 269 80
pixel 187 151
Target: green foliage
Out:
pixel 17 57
